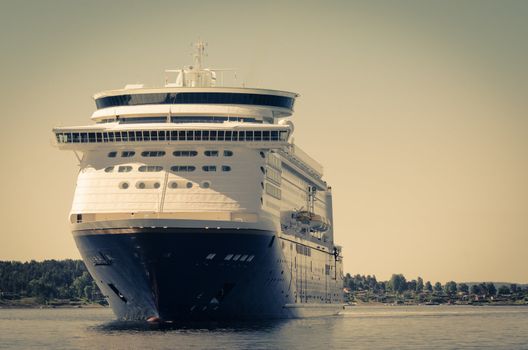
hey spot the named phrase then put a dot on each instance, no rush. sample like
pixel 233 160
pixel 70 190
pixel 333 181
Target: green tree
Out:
pixel 483 289
pixel 438 287
pixel 475 289
pixel 81 283
pixel 428 286
pixel 398 283
pixel 411 285
pixel 504 290
pixel 450 288
pixel 462 287
pixel 491 288
pixel 419 284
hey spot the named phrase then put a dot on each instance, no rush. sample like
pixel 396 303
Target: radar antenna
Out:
pixel 196 75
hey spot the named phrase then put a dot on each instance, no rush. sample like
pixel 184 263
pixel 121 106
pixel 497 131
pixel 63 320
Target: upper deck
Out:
pixel 188 110
pixel 195 91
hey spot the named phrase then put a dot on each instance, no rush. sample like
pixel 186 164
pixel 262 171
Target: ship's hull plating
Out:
pixel 172 274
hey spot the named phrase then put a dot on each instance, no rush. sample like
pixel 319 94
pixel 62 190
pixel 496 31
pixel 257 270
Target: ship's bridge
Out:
pixel 183 102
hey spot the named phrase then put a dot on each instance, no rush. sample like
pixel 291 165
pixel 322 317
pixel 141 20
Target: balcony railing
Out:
pixel 171 135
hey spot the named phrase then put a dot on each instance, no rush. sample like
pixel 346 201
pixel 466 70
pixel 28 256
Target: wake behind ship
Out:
pixel 192 203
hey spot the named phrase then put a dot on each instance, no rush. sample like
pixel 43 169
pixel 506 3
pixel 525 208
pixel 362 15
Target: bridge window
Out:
pixel 228 153
pixel 185 153
pixel 209 168
pixel 143 120
pixel 127 154
pixel 195 98
pixel 150 168
pixel 112 154
pixel 124 169
pixel 109 169
pixel 153 153
pixel 211 153
pixel 226 168
pixel 183 168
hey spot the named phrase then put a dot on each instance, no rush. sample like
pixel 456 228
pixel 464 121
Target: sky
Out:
pixel 416 109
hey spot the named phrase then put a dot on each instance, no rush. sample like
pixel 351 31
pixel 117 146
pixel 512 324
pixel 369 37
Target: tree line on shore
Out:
pixel 47 280
pixel 69 280
pixel 400 290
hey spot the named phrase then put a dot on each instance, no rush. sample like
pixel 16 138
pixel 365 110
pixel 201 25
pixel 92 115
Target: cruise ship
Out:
pixel 193 203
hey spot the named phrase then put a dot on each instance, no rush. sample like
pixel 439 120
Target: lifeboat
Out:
pixel 315 221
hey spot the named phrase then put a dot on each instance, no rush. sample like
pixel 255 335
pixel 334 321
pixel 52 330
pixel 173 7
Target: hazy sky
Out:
pixel 417 109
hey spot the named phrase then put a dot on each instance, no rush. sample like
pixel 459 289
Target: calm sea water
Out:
pixel 397 327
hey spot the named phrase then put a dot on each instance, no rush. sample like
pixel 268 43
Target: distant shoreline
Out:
pixel 43 306
pixel 31 303
pixel 352 305
pixel 347 306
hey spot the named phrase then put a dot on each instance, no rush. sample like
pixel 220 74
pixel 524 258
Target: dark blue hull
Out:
pixel 183 274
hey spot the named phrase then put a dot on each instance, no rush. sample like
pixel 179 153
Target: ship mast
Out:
pixel 198 55
pixel 196 75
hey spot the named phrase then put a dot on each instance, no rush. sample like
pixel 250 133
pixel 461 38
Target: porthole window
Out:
pixel 226 168
pixel 183 168
pixel 185 153
pixel 126 154
pixel 150 168
pixel 228 153
pixel 262 154
pixel 173 184
pixel 209 168
pixel 124 169
pixel 211 153
pixel 206 184
pixel 148 185
pixel 189 185
pixel 262 170
pixel 109 169
pixel 112 154
pixel 153 153
pixel 123 185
